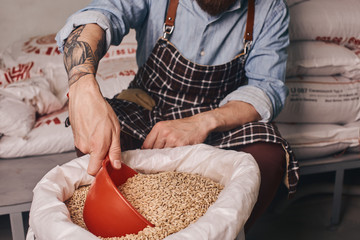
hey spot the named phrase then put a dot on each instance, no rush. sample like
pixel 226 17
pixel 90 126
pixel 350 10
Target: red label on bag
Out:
pixel 352 41
pixel 55 120
pixel 336 40
pixel 120 51
pixel 127 73
pixel 44 45
pixel 52 118
pixel 20 72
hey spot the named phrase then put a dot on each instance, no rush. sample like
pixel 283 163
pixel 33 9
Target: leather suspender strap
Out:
pixel 248 36
pixel 170 18
pixel 171 13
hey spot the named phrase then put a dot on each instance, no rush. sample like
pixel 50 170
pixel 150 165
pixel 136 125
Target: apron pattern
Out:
pixel 182 88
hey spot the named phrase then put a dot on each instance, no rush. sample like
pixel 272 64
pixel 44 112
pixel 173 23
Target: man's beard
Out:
pixel 215 7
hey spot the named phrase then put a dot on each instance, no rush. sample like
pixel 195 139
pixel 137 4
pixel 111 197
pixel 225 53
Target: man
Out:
pixel 210 72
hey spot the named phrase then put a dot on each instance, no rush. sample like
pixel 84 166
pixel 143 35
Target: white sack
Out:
pixel 113 75
pixel 319 140
pixel 48 94
pixel 39 56
pixel 16 117
pixel 127 48
pixel 118 67
pixel 35 92
pixel 17 72
pixel 42 50
pixel 58 79
pixel 24 59
pixel 315 58
pixel 115 71
pixel 47 136
pixel 321 100
pixel 327 20
pixel 49 217
pixel 355 148
pixel 30 58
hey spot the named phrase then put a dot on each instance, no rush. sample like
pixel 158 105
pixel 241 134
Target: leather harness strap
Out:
pixel 170 18
pixel 248 36
pixel 171 13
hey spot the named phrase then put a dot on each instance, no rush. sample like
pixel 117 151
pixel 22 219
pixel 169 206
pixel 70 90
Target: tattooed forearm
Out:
pixel 79 58
pixel 78 72
pixel 100 48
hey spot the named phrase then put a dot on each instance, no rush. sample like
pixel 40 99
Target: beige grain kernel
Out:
pixel 169 200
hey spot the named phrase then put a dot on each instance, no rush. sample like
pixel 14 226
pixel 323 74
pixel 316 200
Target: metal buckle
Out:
pixel 167 31
pixel 247 46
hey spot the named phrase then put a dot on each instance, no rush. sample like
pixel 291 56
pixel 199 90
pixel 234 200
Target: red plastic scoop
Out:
pixel 106 211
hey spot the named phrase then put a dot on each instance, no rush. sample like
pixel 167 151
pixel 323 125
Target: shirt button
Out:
pixel 202 53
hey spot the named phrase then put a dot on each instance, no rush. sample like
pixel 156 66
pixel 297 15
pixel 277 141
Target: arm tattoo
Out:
pixel 79 59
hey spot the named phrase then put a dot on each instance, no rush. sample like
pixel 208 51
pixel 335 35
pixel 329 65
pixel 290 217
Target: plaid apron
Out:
pixel 181 88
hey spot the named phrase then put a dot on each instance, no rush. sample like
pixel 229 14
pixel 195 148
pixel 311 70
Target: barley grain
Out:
pixel 169 200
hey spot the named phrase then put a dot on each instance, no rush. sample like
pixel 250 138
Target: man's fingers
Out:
pixel 159 143
pixel 95 162
pixel 150 140
pixel 115 152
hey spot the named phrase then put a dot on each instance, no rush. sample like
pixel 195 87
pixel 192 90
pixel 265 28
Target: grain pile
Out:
pixel 169 200
pixel 75 205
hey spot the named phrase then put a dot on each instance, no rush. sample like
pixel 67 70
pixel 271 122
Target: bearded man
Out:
pixel 212 70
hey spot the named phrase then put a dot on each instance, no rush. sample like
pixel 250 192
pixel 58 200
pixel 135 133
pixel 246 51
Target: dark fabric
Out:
pixel 271 160
pixel 127 142
pixel 181 89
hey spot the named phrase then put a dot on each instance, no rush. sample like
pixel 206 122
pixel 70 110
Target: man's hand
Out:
pixel 195 129
pixel 95 125
pixel 175 133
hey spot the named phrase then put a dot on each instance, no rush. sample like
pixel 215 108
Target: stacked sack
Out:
pixel 321 115
pixel 33 93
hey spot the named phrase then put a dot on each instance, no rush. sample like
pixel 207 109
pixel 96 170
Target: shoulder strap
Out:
pixel 170 18
pixel 248 36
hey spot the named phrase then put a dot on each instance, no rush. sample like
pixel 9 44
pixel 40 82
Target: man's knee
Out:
pixel 270 157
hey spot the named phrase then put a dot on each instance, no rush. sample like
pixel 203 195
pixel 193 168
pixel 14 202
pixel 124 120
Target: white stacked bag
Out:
pixel 321 115
pixel 33 93
pixel 225 219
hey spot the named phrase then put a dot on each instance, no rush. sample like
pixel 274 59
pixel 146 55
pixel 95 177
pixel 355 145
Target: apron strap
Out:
pixel 248 35
pixel 170 18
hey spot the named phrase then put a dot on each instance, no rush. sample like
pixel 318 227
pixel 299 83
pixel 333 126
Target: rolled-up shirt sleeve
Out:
pixel 82 18
pixel 266 66
pixel 254 96
pixel 114 17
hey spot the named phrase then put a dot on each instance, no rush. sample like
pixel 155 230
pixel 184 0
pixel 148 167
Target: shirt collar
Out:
pixel 237 5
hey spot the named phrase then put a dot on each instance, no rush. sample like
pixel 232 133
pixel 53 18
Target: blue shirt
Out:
pixel 204 39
